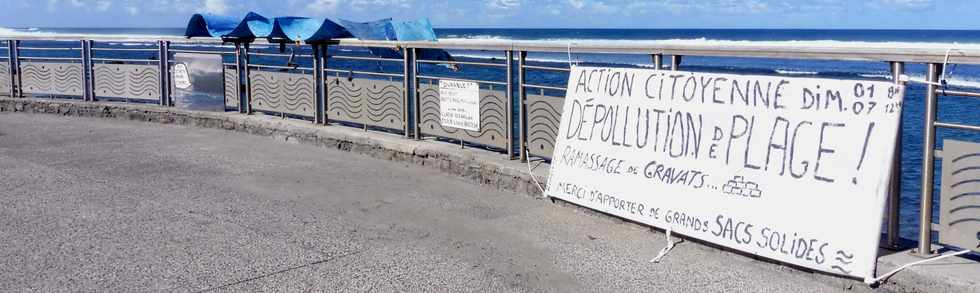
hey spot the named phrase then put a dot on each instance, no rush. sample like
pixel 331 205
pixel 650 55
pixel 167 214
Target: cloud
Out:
pixel 503 4
pixel 323 6
pixel 215 6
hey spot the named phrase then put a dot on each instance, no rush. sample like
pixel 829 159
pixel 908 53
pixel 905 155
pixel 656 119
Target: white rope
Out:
pixel 889 274
pixel 531 173
pixel 663 252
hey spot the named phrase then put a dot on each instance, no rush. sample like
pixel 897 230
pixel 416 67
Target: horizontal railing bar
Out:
pixel 125 60
pixel 862 52
pixel 548 68
pixel 958 93
pixel 48 49
pixel 279 67
pixel 278 54
pixel 957 126
pixel 461 79
pixel 49 58
pixel 364 72
pixel 544 87
pixel 857 52
pixel 201 51
pixel 365 58
pixel 462 63
pixel 229 64
pixel 125 49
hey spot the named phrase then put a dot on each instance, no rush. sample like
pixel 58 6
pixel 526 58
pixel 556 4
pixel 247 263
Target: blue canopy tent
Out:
pixel 209 26
pixel 295 29
pixel 253 26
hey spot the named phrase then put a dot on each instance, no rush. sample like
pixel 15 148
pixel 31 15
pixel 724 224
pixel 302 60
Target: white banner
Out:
pixel 459 104
pixel 792 169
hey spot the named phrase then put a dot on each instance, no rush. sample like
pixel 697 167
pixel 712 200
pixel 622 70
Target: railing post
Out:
pixel 246 104
pixel 510 103
pixel 658 61
pixel 88 92
pixel 321 99
pixel 522 106
pixel 929 156
pixel 239 73
pixel 895 184
pixel 15 80
pixel 675 62
pixel 416 103
pixel 407 94
pixel 164 62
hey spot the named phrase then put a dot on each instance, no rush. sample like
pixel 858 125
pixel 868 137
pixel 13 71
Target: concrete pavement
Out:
pixel 120 206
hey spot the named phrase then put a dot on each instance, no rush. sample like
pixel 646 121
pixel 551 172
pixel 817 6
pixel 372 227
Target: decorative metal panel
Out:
pixel 290 93
pixel 372 102
pixel 543 118
pixel 231 87
pixel 959 218
pixel 51 78
pixel 493 117
pixel 4 78
pixel 128 81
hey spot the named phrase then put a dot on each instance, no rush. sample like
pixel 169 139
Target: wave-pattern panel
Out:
pixel 51 78
pixel 290 93
pixel 543 118
pixel 493 119
pixel 130 81
pixel 4 78
pixel 959 219
pixel 372 102
pixel 231 87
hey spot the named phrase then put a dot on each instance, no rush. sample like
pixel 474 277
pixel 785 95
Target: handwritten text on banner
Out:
pixel 459 104
pixel 793 169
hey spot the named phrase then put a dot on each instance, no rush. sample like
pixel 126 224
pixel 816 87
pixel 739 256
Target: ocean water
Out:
pixel 951 109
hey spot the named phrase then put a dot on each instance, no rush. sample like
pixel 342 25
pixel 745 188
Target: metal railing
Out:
pixel 330 88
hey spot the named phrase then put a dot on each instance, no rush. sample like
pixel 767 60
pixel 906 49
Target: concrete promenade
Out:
pixel 90 204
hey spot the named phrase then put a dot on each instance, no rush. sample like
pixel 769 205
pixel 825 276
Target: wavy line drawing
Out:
pixel 964 169
pixel 844 254
pixel 127 81
pixel 4 79
pixel 371 102
pixel 968 181
pixel 965 194
pixel 960 221
pixel 543 119
pixel 289 93
pixel 231 88
pixel 966 156
pixel 841 269
pixel 843 261
pixel 52 78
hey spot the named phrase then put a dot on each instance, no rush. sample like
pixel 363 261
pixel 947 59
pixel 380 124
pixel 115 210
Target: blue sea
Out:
pixel 951 109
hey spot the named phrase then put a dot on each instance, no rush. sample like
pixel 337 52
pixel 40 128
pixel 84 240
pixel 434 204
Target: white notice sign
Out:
pixel 459 104
pixel 182 79
pixel 793 169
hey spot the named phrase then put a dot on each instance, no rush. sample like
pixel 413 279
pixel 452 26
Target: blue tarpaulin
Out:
pixel 413 30
pixel 209 26
pixel 373 30
pixel 387 30
pixel 293 29
pixel 253 26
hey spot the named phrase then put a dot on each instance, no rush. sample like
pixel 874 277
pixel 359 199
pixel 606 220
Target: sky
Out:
pixel 855 14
